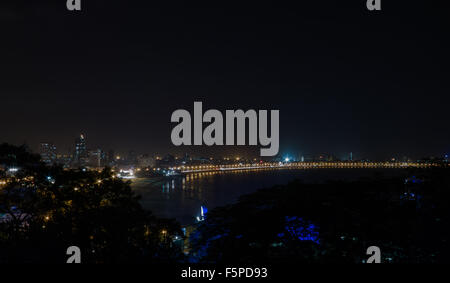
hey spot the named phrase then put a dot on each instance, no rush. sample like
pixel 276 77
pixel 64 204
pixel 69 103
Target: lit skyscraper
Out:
pixel 81 157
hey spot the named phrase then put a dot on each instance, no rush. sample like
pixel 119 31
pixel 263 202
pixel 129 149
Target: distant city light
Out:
pixel 126 174
pixel 50 180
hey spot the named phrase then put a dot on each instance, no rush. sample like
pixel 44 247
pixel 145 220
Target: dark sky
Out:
pixel 344 79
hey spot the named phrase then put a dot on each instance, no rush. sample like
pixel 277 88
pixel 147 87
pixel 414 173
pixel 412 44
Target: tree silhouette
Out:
pixel 47 209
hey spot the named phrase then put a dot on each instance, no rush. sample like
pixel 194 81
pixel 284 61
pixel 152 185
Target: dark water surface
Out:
pixel 182 197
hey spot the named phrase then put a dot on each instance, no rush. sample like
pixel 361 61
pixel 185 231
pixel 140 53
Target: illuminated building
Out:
pixel 65 159
pixel 96 158
pixel 81 157
pixel 48 153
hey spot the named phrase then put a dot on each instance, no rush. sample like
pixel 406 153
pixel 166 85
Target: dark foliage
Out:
pixel 333 222
pixel 47 209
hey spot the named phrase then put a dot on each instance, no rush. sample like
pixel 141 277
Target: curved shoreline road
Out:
pixel 303 165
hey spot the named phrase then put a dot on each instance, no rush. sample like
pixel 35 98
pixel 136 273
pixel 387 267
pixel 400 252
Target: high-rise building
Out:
pixel 48 153
pixel 96 158
pixel 81 156
pixel 65 160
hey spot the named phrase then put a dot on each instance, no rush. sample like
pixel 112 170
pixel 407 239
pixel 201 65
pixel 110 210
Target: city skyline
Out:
pixel 81 149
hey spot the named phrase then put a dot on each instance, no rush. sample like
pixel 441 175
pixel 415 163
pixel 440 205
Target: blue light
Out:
pixel 299 229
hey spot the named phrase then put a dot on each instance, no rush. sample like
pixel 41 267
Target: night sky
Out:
pixel 344 79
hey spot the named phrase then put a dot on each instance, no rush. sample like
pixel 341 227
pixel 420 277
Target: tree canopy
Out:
pixel 45 210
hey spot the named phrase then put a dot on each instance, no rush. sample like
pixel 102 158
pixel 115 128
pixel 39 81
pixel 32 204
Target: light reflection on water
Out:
pixel 181 197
